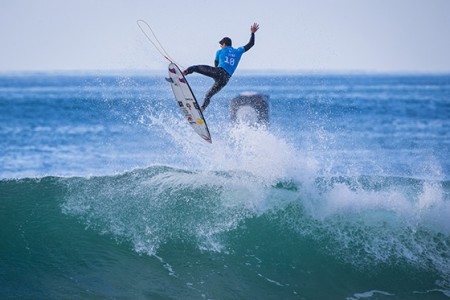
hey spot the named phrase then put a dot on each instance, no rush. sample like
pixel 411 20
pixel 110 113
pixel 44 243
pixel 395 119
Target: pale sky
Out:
pixel 294 35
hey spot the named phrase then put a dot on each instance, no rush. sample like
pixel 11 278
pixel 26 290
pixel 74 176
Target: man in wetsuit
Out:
pixel 226 62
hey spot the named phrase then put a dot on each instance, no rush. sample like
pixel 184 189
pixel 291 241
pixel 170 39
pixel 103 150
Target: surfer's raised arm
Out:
pixel 254 28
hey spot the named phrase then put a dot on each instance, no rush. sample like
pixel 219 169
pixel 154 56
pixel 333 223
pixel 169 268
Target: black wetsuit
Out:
pixel 220 75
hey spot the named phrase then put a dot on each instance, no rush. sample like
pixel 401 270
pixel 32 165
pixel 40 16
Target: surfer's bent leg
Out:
pixel 202 69
pixel 217 86
pixel 219 83
pixel 219 75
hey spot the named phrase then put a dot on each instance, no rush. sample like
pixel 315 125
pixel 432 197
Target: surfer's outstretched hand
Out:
pixel 254 28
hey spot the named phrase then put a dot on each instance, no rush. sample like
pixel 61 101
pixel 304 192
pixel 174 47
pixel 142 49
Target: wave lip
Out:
pixel 153 206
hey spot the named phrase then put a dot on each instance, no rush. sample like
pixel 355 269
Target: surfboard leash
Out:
pixel 158 46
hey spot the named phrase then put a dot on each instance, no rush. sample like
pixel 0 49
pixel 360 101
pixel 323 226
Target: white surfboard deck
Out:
pixel 187 102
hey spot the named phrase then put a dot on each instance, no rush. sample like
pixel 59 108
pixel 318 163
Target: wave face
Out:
pixel 167 232
pixel 106 192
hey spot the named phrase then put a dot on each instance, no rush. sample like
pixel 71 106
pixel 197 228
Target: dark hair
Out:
pixel 226 41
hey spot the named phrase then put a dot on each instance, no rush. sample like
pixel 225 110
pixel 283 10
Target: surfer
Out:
pixel 225 63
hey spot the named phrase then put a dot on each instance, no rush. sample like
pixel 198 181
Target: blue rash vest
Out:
pixel 229 58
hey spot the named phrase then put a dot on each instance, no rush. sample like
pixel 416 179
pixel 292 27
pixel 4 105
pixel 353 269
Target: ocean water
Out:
pixel 107 193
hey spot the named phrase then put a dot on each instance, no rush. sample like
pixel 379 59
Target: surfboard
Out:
pixel 187 102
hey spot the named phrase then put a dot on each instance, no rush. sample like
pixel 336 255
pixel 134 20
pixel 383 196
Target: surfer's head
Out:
pixel 226 41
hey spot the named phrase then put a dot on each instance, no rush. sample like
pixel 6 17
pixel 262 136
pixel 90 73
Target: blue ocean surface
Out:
pixel 106 192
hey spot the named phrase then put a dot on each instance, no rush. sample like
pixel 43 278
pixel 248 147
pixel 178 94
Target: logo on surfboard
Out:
pixel 206 138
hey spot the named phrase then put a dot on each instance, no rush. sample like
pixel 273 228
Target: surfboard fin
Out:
pixel 168 79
